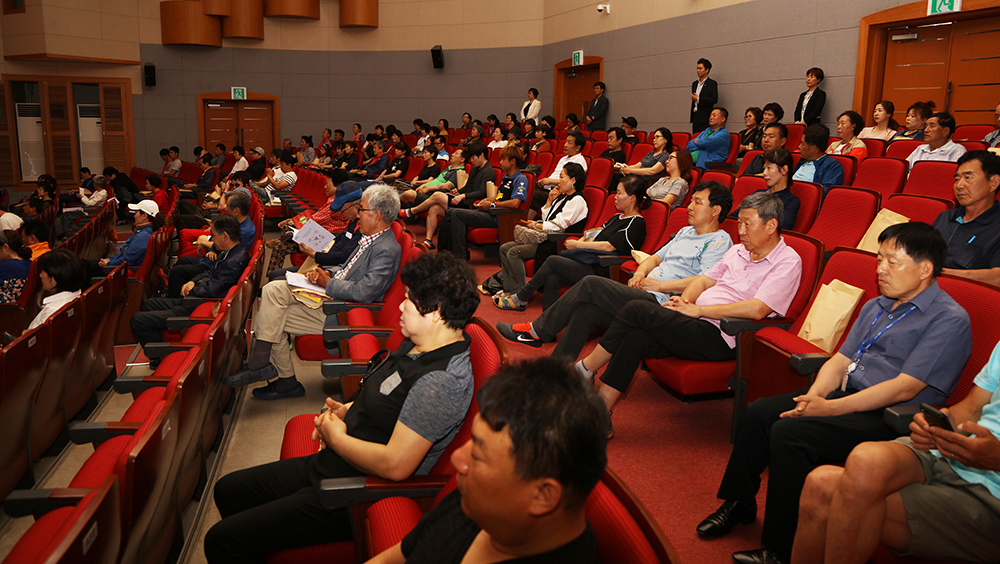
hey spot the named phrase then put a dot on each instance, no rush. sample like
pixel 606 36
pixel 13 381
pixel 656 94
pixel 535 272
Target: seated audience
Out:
pixel 712 144
pixel 755 279
pixel 327 143
pixel 15 264
pixel 32 208
pixel 284 178
pixel 452 179
pixel 572 122
pixel 629 124
pixel 36 238
pixel 513 126
pixel 241 161
pixel 916 119
pixel 620 235
pixel 389 430
pixel 258 164
pixel 159 193
pixel 374 166
pixel 939 146
pixel 885 127
pixel 208 179
pixel 672 188
pixel 918 361
pixel 614 152
pixel 357 133
pixel 218 157
pixel 543 140
pixel 528 129
pixel 430 171
pixel 777 164
pixel 654 163
pixel 510 194
pixel 809 108
pixel 572 148
pixel 476 133
pixel 396 168
pixel 62 277
pixel 148 219
pixel 775 135
pixel 214 282
pixel 441 144
pixel 86 182
pixel 538 430
pixel 329 216
pixel 466 121
pixel 306 154
pixel 565 209
pixel 773 113
pixel 365 277
pixel 993 139
pixel 122 189
pixel 171 163
pixel 815 165
pixel 943 503
pixel 849 125
pixel 187 268
pixel 499 137
pixel 594 302
pixel 750 137
pixel 10 221
pixel 972 230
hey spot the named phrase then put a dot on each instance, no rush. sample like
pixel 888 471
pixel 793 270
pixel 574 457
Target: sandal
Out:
pixel 507 302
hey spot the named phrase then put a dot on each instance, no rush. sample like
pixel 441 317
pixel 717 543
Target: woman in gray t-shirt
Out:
pixel 672 188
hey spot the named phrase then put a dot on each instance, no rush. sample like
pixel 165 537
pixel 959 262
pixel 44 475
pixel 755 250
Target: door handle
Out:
pixel 947 97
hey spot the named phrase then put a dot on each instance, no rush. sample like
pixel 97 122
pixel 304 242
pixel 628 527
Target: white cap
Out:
pixel 147 207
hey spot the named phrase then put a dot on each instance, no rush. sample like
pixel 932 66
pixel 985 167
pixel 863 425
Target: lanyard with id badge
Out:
pixel 866 344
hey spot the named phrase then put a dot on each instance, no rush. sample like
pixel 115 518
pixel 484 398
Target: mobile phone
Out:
pixel 935 418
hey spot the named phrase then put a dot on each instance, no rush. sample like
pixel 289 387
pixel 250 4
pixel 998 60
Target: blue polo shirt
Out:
pixel 974 245
pixel 931 344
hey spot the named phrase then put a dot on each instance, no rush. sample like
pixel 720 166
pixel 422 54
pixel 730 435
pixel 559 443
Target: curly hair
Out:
pixel 444 283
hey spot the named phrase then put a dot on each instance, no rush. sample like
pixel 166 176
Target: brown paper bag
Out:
pixel 310 263
pixel 884 219
pixel 639 256
pixel 830 312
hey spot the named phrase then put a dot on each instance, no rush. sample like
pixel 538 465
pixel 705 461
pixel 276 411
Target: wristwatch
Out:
pixel 493 205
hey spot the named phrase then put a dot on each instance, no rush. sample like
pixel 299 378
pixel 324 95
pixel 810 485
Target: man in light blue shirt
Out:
pixel 595 301
pixel 712 144
pixel 943 503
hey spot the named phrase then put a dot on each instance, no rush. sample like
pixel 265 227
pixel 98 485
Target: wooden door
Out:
pixel 220 123
pixel 917 70
pixel 7 158
pixel 256 124
pixel 60 131
pixel 974 70
pixel 579 90
pixel 116 145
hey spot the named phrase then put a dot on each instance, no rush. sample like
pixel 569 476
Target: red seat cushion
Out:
pixel 101 463
pixel 196 333
pixel 484 235
pixel 360 317
pixel 689 377
pixel 363 346
pixel 298 259
pixel 142 408
pixel 296 441
pixel 787 341
pixel 43 536
pixel 332 553
pixel 311 347
pixel 390 520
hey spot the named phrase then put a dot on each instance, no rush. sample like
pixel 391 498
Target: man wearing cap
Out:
pixel 257 163
pixel 344 203
pixel 133 252
pixel 629 124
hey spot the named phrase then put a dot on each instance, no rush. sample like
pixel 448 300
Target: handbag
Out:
pixel 585 256
pixel 528 236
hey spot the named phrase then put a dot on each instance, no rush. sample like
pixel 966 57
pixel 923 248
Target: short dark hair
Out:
pixel 758 114
pixel 425 128
pixel 428 148
pixel 782 128
pixel 401 146
pixel 238 149
pixel 579 139
pixel 531 122
pixel 154 180
pixel 338 176
pixel 463 152
pixel 705 63
pixel 164 152
pixel 467 114
pixel 718 195
pixel 37 229
pixel 945 120
pixel 359 125
pixel 817 135
pixel 443 283
pixel 724 112
pixel 924 109
pixel 206 159
pixel 221 147
pixel 550 120
pixel 777 110
pixel 442 138
pixel 110 171
pixel 817 72
pixel 534 92
pixel 340 131
pixel 557 427
pixel 989 162
pixel 239 201
pixel 781 157
pixel 768 206
pixel 225 223
pixel 618 131
pixel 286 157
pixel 244 177
pixel 198 150
pixel 445 122
pixel 513 117
pixel 573 118
pixel 919 240
pixel 857 122
pixel 477 149
pixel 601 84
pixel 576 172
pixel 65 268
pixel 85 170
pixel 176 149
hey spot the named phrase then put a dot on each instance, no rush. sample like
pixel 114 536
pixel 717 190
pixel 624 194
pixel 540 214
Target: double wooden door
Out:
pixel 248 123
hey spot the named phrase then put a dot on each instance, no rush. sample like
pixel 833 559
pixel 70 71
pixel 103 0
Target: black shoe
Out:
pixel 246 376
pixel 611 428
pixel 271 391
pixel 728 516
pixel 759 556
pixel 513 335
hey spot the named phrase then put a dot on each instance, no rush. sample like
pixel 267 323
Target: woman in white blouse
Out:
pixel 62 277
pixel 532 107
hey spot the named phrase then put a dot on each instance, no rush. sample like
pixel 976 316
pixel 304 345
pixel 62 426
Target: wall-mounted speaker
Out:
pixel 149 74
pixel 437 57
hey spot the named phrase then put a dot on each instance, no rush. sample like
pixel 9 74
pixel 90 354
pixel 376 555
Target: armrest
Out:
pixel 22 503
pixel 160 350
pixel 333 306
pixel 563 236
pixel 505 211
pixel 898 417
pixel 192 301
pixel 138 384
pixel 333 334
pixel 612 260
pixel 81 432
pixel 336 493
pixel 737 325
pixel 344 367
pixel 180 323
pixel 808 363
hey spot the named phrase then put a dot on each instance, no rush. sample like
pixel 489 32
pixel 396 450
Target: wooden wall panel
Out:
pixel 292 9
pixel 7 139
pixel 184 22
pixel 246 20
pixel 113 122
pixel 358 13
pixel 217 7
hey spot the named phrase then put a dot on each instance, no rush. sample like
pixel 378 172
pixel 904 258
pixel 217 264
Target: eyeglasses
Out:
pixel 361 209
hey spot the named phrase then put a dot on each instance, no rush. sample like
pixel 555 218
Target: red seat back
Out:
pixel 625 531
pixel 599 173
pixel 48 418
pixel 389 315
pixel 546 163
pixel 883 174
pixel 599 135
pixel 723 177
pixel 845 216
pixel 595 205
pixel 810 196
pixel 849 164
pixel 639 151
pixel 743 187
pixel 932 178
pixel 902 148
pixel 810 250
pixel 734 147
pixel 972 132
pixel 973 145
pixel 876 147
pixel 598 148
pixel 917 208
pixel 850 266
pixel 22 366
pixel 795 132
pixel 748 158
pixel 979 300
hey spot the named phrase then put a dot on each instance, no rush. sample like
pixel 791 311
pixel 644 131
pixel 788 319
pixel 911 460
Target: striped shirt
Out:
pixel 363 244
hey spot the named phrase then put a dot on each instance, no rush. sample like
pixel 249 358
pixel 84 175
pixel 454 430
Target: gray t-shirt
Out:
pixel 436 406
pixel 664 187
pixel 174 166
pixel 219 160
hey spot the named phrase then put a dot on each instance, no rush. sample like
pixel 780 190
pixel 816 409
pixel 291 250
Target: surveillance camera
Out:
pixel 600 8
pixel 604 8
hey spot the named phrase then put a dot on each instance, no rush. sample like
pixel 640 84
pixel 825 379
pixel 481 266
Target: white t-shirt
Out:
pixel 577 158
pixel 241 164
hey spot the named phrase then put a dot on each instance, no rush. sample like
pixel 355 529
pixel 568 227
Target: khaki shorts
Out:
pixel 950 518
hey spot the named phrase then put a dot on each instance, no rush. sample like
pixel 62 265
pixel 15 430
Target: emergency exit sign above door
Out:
pixel 935 7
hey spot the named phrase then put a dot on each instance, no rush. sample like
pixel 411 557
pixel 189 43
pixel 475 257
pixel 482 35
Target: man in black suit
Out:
pixel 598 112
pixel 704 96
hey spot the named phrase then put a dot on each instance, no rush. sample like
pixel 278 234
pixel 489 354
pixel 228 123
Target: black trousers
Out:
pixel 591 303
pixel 556 273
pixel 455 225
pixel 149 324
pixel 274 507
pixel 792 448
pixel 182 273
pixel 646 329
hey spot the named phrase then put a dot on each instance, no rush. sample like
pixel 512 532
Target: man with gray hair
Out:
pixel 756 279
pixel 364 277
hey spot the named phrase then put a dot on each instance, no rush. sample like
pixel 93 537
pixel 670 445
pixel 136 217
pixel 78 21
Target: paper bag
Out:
pixel 831 311
pixel 639 256
pixel 310 263
pixel 885 218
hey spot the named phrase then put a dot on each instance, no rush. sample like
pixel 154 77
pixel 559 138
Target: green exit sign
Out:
pixel 239 93
pixel 935 7
pixel 577 58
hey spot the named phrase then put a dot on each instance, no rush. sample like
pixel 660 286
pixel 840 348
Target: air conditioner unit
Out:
pixel 30 141
pixel 88 120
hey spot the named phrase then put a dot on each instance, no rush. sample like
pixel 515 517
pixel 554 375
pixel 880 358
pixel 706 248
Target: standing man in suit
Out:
pixel 364 277
pixel 704 96
pixel 598 112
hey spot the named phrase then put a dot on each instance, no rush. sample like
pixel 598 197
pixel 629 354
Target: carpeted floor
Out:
pixel 671 452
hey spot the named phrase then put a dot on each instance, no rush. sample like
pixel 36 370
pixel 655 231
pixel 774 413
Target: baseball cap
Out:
pixel 347 192
pixel 259 150
pixel 147 207
pixel 631 121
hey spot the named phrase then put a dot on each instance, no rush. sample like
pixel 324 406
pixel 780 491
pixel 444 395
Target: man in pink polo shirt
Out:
pixel 756 279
